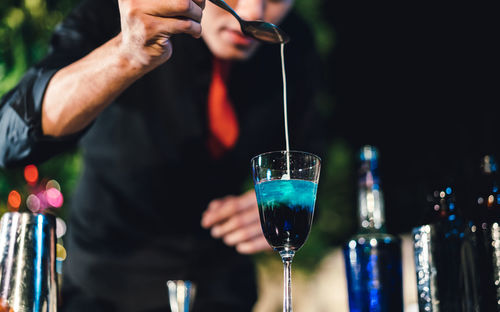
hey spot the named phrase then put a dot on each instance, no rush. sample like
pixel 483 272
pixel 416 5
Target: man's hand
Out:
pixel 102 75
pixel 235 219
pixel 147 25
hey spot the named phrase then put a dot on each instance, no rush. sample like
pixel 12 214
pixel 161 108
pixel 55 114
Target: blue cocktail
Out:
pixel 286 211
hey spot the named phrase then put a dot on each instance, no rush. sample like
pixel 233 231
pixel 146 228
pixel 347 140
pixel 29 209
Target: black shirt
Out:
pixel 148 175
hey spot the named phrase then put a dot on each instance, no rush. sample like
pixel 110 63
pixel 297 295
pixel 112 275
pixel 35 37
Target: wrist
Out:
pixel 136 62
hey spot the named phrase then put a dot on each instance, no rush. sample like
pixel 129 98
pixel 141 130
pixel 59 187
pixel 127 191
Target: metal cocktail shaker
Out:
pixel 181 295
pixel 438 263
pixel 447 254
pixel 27 262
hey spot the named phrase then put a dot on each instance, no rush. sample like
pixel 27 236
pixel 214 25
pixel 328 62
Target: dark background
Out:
pixel 420 81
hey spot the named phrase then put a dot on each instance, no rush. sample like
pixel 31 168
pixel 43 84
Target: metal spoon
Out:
pixel 260 30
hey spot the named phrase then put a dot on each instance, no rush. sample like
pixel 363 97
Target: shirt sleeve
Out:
pixel 22 141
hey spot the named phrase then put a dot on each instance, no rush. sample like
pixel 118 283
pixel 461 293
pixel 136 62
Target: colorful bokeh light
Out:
pixel 60 227
pixel 33 203
pixel 60 252
pixel 53 184
pixel 31 174
pixel 54 197
pixel 14 199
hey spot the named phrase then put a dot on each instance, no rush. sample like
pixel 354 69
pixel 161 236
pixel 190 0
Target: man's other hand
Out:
pixel 235 219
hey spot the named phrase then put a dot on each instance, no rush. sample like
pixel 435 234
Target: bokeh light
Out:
pixel 53 184
pixel 54 197
pixel 43 200
pixel 61 255
pixel 60 252
pixel 491 199
pixel 60 227
pixel 33 203
pixel 59 267
pixel 31 174
pixel 14 199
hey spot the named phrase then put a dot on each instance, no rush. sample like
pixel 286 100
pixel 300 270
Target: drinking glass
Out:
pixel 286 184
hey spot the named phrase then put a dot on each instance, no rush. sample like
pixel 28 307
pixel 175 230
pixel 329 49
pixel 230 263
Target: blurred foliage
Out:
pixel 25 29
pixel 324 35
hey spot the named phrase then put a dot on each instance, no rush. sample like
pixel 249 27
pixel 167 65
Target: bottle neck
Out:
pixel 370 203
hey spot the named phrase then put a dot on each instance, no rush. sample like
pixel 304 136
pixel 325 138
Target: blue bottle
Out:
pixel 373 256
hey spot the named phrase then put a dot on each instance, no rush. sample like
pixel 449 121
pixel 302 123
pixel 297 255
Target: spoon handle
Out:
pixel 222 4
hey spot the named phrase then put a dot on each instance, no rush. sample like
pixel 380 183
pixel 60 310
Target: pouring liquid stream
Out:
pixel 286 176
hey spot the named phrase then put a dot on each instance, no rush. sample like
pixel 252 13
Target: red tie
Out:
pixel 222 120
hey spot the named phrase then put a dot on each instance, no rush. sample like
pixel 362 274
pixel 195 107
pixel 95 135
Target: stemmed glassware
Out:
pixel 286 184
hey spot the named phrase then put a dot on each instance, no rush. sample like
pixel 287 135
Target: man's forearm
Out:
pixel 80 91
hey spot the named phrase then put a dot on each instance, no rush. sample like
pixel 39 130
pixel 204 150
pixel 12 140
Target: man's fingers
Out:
pixel 227 207
pixel 234 204
pixel 174 8
pixel 252 246
pixel 171 26
pixel 185 26
pixel 215 204
pixel 210 216
pixel 165 17
pixel 147 25
pixel 235 222
pixel 251 231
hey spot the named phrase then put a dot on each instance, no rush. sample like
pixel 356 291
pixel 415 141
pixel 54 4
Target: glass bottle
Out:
pixel 484 234
pixel 373 256
pixel 491 200
pixel 445 280
pixel 450 253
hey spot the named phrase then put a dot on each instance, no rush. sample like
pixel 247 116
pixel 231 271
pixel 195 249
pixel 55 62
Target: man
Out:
pixel 133 84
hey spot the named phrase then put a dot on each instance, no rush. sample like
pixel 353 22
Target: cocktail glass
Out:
pixel 286 184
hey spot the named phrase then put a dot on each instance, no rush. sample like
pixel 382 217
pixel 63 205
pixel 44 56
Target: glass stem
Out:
pixel 287 257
